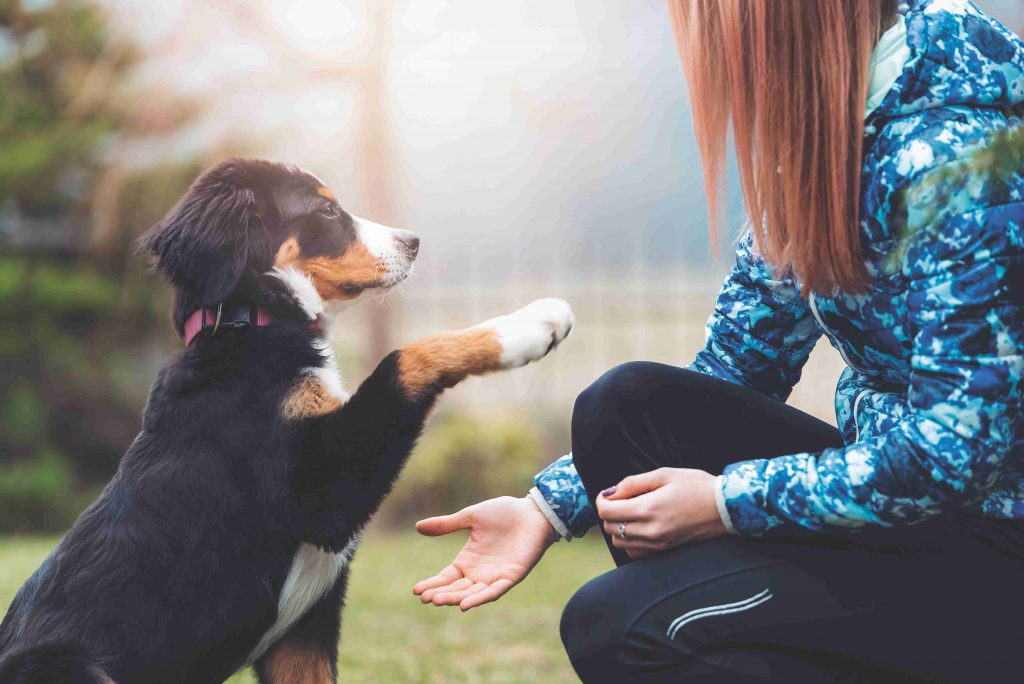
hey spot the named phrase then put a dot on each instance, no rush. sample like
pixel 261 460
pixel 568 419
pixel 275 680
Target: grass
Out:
pixel 388 636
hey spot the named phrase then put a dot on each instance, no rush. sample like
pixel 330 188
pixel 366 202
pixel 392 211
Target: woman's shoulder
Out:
pixel 962 85
pixel 920 148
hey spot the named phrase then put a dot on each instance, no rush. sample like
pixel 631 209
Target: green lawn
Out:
pixel 388 636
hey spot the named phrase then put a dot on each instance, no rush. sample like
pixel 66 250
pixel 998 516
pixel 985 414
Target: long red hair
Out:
pixel 790 77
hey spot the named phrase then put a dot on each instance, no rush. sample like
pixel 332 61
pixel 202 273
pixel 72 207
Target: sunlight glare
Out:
pixel 324 28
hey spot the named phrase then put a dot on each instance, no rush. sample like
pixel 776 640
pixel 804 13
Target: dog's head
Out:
pixel 248 216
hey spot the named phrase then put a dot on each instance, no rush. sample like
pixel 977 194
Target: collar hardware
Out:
pixel 210 321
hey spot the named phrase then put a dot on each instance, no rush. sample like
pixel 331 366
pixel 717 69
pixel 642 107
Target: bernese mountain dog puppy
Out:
pixel 225 537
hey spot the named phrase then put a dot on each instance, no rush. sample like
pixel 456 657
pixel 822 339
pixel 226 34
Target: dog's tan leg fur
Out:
pixel 443 360
pixel 292 662
pixel 308 398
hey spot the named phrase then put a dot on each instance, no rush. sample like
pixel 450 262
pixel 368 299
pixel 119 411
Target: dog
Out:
pixel 225 537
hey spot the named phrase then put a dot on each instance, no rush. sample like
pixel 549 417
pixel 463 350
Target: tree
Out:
pixel 73 310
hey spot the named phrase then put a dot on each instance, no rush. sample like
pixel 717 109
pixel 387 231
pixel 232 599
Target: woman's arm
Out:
pixel 759 335
pixel 761 331
pixel 966 317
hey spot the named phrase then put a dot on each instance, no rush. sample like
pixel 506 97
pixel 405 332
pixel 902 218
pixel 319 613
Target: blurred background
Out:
pixel 538 148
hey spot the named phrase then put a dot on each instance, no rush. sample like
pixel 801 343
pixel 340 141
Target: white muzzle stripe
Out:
pixel 725 609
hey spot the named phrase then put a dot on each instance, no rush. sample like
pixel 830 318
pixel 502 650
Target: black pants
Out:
pixel 938 601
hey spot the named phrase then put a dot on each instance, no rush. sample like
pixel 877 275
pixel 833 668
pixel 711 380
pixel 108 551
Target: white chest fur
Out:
pixel 312 574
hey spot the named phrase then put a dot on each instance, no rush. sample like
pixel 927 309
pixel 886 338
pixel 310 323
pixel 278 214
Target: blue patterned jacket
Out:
pixel 930 405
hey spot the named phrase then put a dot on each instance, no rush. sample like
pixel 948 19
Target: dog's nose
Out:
pixel 409 241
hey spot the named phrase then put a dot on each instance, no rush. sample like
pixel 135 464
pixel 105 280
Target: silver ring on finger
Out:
pixel 621 534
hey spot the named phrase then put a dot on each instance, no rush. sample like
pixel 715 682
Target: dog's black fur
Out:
pixel 174 573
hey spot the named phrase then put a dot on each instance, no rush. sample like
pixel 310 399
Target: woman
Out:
pixel 730 515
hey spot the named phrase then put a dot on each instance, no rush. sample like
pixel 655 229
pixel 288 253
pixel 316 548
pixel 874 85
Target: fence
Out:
pixel 656 317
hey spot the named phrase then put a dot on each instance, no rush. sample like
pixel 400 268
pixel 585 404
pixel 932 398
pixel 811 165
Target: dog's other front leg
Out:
pixel 352 456
pixel 308 652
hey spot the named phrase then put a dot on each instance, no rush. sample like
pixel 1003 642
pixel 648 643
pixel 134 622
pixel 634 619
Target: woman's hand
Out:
pixel 661 509
pixel 507 536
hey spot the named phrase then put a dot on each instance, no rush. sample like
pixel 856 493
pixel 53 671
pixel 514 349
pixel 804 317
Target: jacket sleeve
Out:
pixel 761 331
pixel 759 335
pixel 965 317
pixel 561 487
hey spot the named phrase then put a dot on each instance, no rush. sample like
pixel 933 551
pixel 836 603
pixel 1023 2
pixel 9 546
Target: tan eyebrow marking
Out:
pixel 288 253
pixel 324 192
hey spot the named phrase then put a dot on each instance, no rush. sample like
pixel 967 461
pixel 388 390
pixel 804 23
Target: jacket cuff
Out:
pixel 723 511
pixel 537 498
pixel 744 500
pixel 560 486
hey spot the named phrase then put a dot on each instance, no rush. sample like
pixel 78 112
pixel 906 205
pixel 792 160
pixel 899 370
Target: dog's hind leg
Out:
pixel 52 664
pixel 352 456
pixel 308 652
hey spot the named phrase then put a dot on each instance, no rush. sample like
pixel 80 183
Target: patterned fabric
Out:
pixel 930 406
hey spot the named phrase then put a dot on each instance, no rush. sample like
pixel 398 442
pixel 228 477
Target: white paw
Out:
pixel 530 333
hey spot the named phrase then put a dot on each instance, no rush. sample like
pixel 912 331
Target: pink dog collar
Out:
pixel 215 319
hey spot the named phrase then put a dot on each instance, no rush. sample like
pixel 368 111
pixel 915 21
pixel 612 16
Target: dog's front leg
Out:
pixel 425 368
pixel 353 455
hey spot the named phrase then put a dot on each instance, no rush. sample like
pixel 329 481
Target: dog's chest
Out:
pixel 312 574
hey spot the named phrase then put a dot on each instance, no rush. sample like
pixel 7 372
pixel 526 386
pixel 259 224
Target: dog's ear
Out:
pixel 215 232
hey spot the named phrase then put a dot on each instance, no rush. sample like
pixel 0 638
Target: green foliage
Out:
pixel 57 287
pixel 463 459
pixel 38 495
pixel 22 414
pixel 54 112
pixel 84 312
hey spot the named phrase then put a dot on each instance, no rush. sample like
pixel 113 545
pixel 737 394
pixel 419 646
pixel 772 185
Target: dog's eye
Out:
pixel 330 211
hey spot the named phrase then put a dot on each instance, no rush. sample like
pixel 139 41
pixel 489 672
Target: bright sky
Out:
pixel 554 124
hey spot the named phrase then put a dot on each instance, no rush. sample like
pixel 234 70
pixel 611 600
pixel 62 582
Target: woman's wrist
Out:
pixel 723 509
pixel 558 529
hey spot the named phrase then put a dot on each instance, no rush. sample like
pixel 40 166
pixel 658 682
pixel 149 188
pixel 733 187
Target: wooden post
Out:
pixel 375 154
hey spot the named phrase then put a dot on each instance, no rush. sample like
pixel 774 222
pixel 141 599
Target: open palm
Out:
pixel 507 536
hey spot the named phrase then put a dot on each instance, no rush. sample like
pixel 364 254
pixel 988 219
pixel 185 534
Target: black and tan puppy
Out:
pixel 225 536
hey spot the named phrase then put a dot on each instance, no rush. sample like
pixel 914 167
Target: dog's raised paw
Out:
pixel 530 333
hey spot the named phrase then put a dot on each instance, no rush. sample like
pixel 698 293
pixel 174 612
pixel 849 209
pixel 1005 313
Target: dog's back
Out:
pixel 178 563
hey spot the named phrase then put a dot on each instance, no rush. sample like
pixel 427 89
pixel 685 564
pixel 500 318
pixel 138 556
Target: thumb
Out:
pixel 635 485
pixel 443 524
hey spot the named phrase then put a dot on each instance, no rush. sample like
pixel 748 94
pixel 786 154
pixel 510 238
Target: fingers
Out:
pixel 444 524
pixel 641 538
pixel 637 545
pixel 441 579
pixel 627 510
pixel 431 595
pixel 637 531
pixel 635 485
pixel 454 595
pixel 626 501
pixel 463 592
pixel 492 592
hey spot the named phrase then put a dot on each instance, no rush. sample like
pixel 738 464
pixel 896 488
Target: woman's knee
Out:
pixel 597 410
pixel 601 402
pixel 627 391
pixel 592 629
pixel 613 386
